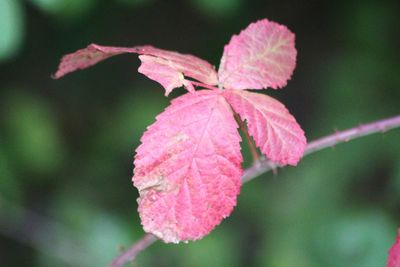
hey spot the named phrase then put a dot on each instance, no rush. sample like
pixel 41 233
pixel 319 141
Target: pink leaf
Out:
pixel 188 167
pixel 87 57
pixel 263 55
pixel 394 253
pixel 273 128
pixel 173 63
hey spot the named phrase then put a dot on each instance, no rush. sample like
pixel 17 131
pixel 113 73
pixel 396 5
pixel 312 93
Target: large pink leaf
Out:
pixel 263 55
pixel 273 128
pixel 394 253
pixel 188 167
pixel 168 62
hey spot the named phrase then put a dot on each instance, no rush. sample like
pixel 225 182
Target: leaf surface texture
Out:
pixel 262 55
pixel 188 167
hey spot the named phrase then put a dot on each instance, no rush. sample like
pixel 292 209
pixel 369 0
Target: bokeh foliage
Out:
pixel 66 146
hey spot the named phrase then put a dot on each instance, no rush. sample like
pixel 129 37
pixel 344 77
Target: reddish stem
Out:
pixel 253 148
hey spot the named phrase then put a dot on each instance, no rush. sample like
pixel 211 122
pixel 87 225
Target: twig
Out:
pixel 325 142
pixel 263 166
pixel 37 231
pixel 350 134
pixel 131 253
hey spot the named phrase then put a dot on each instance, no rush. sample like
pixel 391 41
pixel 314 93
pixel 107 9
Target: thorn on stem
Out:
pixel 121 248
pixel 273 166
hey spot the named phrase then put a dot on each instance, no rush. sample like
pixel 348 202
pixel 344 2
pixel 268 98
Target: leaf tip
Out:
pixel 393 259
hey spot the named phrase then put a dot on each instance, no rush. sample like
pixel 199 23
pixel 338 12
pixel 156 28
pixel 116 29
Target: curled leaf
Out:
pixel 87 57
pixel 273 128
pixel 188 168
pixel 167 63
pixel 191 66
pixel 263 55
pixel 158 70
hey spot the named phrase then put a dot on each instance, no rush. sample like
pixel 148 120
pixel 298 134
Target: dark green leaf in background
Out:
pixel 11 28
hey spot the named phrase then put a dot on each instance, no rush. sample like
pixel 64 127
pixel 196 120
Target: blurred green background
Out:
pixel 66 146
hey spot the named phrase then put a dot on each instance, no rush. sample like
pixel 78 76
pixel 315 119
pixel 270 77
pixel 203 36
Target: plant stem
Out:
pixel 243 128
pixel 130 254
pixel 325 142
pixel 350 134
pixel 264 166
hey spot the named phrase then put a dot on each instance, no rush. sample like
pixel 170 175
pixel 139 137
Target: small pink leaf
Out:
pixel 173 63
pixel 263 55
pixel 273 128
pixel 188 167
pixel 394 253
